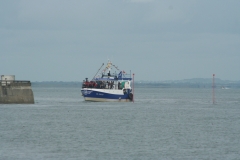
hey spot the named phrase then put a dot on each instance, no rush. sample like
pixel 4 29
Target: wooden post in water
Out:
pixel 213 89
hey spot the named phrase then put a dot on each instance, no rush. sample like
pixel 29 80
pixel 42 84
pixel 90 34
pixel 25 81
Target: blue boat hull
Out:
pixel 105 95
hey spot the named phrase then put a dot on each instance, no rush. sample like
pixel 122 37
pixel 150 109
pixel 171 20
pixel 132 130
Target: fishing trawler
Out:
pixel 109 85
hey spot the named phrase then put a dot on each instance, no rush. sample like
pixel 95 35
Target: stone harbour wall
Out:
pixel 18 92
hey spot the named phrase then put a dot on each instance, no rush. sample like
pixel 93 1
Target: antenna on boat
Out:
pixel 97 71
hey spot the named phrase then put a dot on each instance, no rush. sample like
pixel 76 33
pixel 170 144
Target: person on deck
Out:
pixel 119 85
pixel 112 84
pixel 108 83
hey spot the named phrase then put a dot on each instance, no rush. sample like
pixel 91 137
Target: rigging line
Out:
pixel 115 67
pixel 97 71
pixel 108 68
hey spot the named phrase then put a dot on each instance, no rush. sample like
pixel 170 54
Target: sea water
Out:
pixel 162 123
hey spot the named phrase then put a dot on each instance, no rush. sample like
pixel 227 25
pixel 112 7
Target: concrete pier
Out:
pixel 19 92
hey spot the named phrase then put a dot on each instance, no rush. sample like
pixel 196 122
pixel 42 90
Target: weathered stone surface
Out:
pixel 16 93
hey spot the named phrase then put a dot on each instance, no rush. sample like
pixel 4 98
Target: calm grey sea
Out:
pixel 163 123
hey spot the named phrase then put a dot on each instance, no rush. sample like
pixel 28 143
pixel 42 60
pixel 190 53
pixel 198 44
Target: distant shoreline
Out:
pixel 170 84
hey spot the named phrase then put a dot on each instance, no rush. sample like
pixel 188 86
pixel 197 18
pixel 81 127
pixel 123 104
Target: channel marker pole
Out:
pixel 213 89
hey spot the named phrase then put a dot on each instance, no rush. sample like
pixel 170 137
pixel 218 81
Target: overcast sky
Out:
pixel 68 40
